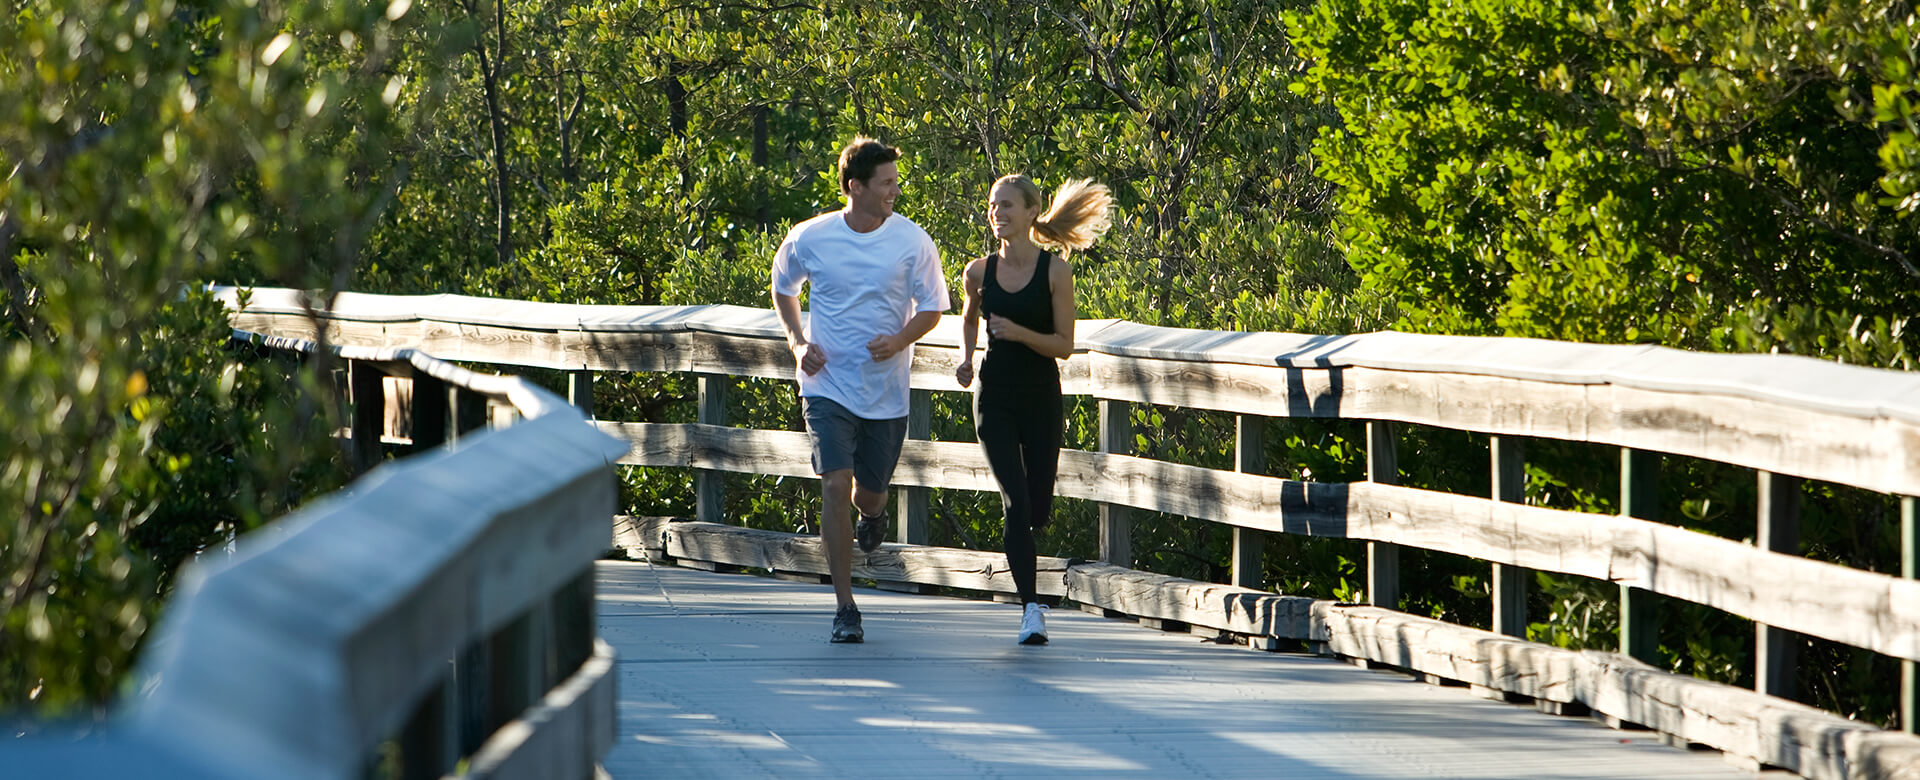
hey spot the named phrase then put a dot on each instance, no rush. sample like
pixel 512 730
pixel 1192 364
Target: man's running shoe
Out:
pixel 871 530
pixel 846 626
pixel 1033 625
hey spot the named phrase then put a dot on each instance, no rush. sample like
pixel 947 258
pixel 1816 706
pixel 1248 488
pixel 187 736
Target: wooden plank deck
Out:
pixel 726 675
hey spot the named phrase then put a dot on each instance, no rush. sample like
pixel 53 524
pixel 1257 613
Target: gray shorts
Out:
pixel 843 440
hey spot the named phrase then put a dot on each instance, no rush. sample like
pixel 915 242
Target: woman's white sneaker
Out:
pixel 1033 625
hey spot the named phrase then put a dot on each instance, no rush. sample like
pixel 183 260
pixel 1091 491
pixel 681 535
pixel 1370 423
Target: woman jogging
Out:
pixel 1026 295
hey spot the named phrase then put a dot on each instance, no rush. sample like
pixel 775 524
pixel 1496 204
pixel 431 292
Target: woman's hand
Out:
pixel 1002 328
pixel 963 373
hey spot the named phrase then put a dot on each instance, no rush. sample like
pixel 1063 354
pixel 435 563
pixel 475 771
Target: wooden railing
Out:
pixel 436 613
pixel 1785 417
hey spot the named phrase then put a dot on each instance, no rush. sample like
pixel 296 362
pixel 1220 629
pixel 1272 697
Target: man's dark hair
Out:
pixel 861 156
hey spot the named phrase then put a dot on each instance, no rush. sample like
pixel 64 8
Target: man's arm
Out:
pixel 811 358
pixel 883 347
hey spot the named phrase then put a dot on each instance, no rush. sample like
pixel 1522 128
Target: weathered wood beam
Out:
pixel 1909 570
pixel 1116 524
pixel 1866 609
pixel 1509 582
pixel 804 554
pixel 912 521
pixel 580 390
pixel 1760 729
pixel 1383 557
pixel 1639 608
pixel 367 393
pixel 1747 422
pixel 709 485
pixel 1249 457
pixel 1775 649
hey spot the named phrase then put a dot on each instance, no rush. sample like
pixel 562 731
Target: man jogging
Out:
pixel 876 288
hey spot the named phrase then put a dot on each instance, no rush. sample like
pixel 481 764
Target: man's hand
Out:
pixel 811 357
pixel 882 347
pixel 963 373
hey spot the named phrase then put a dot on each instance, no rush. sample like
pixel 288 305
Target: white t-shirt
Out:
pixel 863 285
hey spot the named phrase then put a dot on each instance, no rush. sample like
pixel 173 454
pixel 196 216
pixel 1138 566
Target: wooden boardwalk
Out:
pixel 724 675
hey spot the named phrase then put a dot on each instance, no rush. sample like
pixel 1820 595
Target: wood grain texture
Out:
pixel 546 740
pixel 804 554
pixel 1771 433
pixel 643 538
pixel 308 647
pixel 1760 728
pixel 1764 729
pixel 1864 609
pixel 1222 607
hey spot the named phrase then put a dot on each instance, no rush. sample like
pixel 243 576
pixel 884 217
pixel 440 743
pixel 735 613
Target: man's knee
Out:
pixel 837 482
pixel 868 501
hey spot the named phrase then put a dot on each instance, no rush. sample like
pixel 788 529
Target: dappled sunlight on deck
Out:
pixel 731 675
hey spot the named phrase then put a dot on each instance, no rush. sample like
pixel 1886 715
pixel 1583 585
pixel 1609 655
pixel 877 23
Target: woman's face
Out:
pixel 1008 213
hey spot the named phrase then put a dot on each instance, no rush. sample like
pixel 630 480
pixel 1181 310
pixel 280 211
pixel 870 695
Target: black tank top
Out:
pixel 1011 363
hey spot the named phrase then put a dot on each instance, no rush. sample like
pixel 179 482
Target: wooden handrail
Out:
pixel 422 606
pixel 1780 414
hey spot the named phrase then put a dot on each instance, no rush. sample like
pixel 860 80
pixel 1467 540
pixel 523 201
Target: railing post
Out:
pixel 580 390
pixel 573 625
pixel 1775 650
pixel 1910 569
pixel 369 399
pixel 1116 523
pixel 709 486
pixel 429 742
pixel 511 664
pixel 1639 609
pixel 471 679
pixel 911 516
pixel 1509 582
pixel 429 415
pixel 1249 457
pixel 1383 558
pixel 469 411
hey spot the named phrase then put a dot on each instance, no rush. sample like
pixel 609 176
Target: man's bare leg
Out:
pixel 868 502
pixel 840 495
pixel 836 531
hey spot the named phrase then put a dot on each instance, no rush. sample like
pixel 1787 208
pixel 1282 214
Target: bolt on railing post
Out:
pixel 1775 650
pixel 709 486
pixel 1639 609
pixel 1249 457
pixel 1383 558
pixel 911 515
pixel 1509 582
pixel 1116 522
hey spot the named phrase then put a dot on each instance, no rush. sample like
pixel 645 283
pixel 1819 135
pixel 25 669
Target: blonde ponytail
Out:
pixel 1082 210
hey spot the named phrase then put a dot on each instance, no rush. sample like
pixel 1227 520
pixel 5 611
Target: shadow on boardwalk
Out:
pixel 731 676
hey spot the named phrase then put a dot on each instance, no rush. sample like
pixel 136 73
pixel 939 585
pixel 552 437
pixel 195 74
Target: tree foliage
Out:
pixel 1697 173
pixel 150 146
pixel 1702 174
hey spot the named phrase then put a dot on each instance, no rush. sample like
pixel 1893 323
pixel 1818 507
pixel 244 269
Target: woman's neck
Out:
pixel 1019 251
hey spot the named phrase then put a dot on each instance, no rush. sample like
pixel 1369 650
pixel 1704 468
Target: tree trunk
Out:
pixel 763 211
pixel 491 69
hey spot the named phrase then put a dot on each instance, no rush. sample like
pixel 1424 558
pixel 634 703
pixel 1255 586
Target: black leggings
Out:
pixel 1020 429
